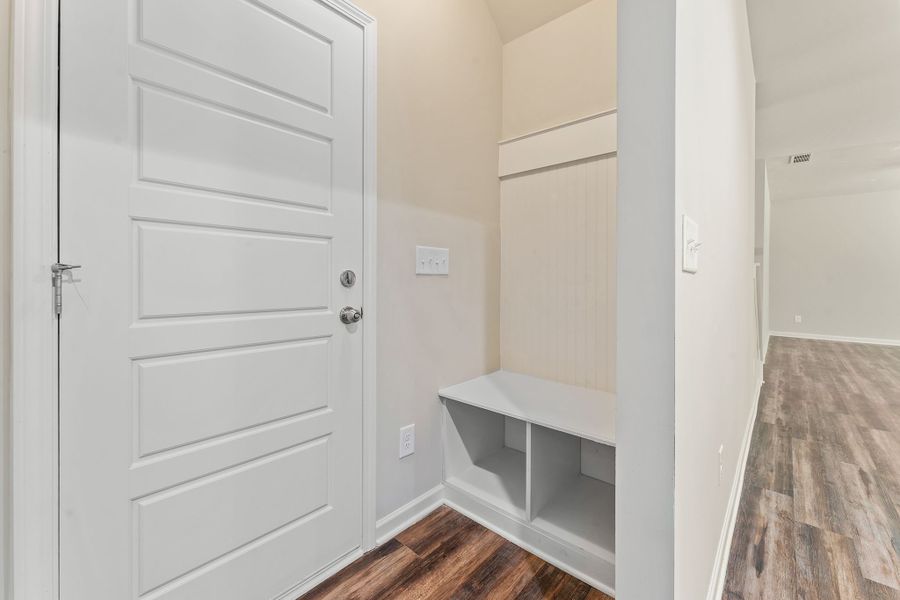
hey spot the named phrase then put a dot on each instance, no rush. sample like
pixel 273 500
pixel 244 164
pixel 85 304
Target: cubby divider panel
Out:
pixel 565 502
pixel 478 460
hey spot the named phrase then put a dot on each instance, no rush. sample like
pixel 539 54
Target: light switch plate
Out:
pixel 690 245
pixel 432 261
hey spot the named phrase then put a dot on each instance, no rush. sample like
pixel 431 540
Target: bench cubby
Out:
pixel 534 460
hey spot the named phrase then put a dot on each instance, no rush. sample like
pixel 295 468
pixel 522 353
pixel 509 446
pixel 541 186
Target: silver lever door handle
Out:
pixel 56 278
pixel 62 268
pixel 350 315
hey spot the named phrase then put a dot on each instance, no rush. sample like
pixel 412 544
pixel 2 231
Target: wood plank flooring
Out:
pixel 448 556
pixel 820 514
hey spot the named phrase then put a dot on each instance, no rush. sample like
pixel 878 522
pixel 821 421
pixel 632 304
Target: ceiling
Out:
pixel 515 18
pixel 828 82
pixel 828 73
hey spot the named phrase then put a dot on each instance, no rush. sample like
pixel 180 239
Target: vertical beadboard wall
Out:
pixel 558 273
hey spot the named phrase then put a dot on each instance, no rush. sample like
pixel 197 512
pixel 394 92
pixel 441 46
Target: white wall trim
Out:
pixel 835 338
pixel 323 574
pixel 558 126
pixel 352 12
pixel 578 140
pixel 409 514
pixel 576 562
pixel 370 258
pixel 720 567
pixel 521 534
pixel 33 401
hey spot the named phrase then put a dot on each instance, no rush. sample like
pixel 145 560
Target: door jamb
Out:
pixel 33 464
pixel 33 370
pixel 370 257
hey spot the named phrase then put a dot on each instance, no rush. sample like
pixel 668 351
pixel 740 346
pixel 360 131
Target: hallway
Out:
pixel 820 512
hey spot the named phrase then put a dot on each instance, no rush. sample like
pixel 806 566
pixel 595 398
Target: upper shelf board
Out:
pixel 577 140
pixel 582 412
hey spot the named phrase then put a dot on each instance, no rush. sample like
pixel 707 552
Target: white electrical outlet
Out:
pixel 432 261
pixel 798 319
pixel 721 463
pixel 407 440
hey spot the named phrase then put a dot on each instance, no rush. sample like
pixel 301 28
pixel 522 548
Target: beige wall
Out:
pixel 558 224
pixel 558 264
pixel 561 71
pixel 439 94
pixel 835 262
pixel 4 291
pixel 716 361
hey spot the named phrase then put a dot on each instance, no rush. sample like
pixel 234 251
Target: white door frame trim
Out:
pixel 34 426
pixel 33 373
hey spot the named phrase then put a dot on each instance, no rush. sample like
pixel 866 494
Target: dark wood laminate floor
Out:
pixel 820 513
pixel 449 556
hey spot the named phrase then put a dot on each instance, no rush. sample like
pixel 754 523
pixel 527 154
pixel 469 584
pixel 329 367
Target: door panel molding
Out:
pixel 33 464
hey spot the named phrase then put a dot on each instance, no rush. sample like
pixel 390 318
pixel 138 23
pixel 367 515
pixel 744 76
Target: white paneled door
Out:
pixel 211 176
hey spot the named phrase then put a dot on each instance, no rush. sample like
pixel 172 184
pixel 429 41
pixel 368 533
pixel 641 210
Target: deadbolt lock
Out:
pixel 348 278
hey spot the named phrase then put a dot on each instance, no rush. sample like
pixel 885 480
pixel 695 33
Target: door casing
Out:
pixel 33 468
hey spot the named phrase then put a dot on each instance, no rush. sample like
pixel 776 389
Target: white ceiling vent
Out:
pixel 796 159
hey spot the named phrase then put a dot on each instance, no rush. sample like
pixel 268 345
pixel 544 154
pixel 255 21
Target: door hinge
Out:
pixel 56 277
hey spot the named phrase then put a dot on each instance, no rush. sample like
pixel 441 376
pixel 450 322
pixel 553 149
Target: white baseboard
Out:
pixel 385 530
pixel 408 514
pixel 590 569
pixel 836 338
pixel 720 568
pixel 322 575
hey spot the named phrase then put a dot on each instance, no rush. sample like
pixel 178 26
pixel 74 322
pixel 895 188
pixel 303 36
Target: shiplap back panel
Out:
pixel 558 273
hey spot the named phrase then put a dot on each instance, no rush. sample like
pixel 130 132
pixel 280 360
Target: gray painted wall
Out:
pixel 645 374
pixel 687 358
pixel 762 251
pixel 716 356
pixel 4 294
pixel 836 262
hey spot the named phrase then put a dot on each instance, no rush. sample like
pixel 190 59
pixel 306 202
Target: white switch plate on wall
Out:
pixel 690 245
pixel 407 440
pixel 432 261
